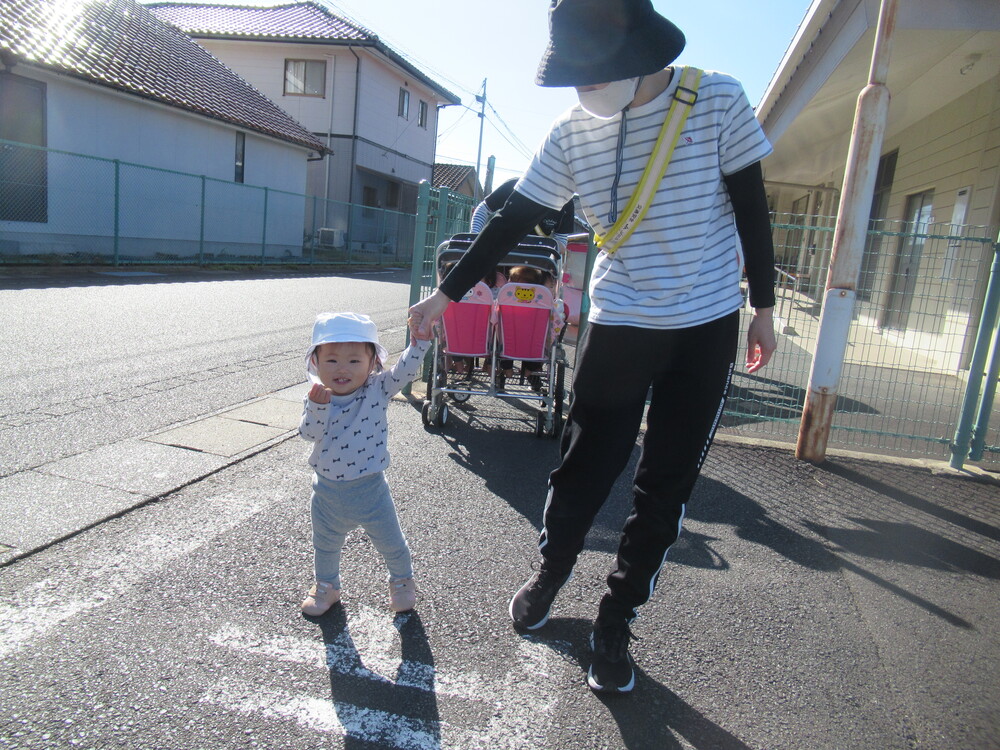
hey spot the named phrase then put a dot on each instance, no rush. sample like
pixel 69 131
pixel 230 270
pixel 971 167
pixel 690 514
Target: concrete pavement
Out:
pixel 853 604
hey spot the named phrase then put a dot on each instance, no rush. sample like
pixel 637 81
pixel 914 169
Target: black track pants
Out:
pixel 689 371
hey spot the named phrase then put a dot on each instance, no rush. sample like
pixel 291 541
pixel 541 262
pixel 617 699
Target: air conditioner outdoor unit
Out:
pixel 331 237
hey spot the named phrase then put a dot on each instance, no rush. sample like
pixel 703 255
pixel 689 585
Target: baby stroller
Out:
pixel 512 322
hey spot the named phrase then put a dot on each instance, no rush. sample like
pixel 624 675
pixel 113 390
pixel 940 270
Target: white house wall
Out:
pixel 159 208
pixel 400 147
pixel 397 148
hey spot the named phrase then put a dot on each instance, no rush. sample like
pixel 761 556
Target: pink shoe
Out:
pixel 402 595
pixel 320 598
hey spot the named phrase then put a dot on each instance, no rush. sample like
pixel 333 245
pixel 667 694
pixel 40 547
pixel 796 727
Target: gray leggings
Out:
pixel 340 507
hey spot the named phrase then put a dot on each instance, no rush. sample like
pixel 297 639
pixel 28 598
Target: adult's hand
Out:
pixel 761 343
pixel 425 314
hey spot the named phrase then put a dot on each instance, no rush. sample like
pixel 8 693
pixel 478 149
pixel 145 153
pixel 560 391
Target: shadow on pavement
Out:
pixel 717 503
pixel 352 684
pixel 863 477
pixel 675 717
pixel 515 466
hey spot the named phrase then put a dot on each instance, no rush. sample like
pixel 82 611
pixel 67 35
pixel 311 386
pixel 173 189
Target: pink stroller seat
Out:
pixel 525 311
pixel 468 323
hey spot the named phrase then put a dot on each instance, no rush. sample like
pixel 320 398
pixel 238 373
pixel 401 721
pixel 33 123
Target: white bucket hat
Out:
pixel 332 328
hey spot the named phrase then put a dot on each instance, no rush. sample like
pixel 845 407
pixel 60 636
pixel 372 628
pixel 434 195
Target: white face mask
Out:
pixel 608 101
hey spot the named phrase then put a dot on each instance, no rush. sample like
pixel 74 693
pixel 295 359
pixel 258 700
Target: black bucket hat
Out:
pixel 599 41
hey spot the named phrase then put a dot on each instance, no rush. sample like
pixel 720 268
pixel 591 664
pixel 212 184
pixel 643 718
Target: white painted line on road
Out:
pixel 99 576
pixel 522 703
pixel 324 715
pixel 368 648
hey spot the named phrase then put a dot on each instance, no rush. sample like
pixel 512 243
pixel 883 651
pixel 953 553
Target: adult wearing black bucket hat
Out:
pixel 595 41
pixel 665 291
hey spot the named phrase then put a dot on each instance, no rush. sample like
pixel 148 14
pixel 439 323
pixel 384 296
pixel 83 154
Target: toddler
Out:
pixel 344 416
pixel 531 370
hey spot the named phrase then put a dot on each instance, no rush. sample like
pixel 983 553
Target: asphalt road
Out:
pixel 847 606
pixel 90 358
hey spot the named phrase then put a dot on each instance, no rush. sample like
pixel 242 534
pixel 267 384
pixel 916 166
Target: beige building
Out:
pixel 936 209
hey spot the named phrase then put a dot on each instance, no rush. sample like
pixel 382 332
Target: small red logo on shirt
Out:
pixel 688 139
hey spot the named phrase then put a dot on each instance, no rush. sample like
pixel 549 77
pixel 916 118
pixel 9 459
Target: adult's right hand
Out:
pixel 425 314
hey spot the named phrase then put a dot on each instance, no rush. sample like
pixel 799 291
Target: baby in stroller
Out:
pixel 502 323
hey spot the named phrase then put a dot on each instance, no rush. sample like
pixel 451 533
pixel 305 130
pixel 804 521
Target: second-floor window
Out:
pixel 422 114
pixel 305 77
pixel 404 104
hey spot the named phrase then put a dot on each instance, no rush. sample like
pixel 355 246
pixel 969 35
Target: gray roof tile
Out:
pixel 452 175
pixel 121 44
pixel 303 21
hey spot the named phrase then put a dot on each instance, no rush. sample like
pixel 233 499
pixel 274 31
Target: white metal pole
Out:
pixel 848 246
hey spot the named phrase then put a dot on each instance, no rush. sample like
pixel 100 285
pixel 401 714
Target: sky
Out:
pixel 461 43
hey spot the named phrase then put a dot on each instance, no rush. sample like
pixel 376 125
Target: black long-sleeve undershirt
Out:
pixel 753 224
pixel 520 214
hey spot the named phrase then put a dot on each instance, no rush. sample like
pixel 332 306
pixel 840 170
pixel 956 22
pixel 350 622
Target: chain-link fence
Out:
pixel 905 369
pixel 61 207
pixel 919 297
pixel 440 214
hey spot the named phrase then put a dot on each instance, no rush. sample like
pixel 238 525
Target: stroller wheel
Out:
pixel 434 415
pixel 459 398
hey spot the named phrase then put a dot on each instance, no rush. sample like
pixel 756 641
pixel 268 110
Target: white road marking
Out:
pixel 522 704
pixel 325 716
pixel 101 575
pixel 369 632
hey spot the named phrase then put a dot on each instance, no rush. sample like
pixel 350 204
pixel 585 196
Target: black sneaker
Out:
pixel 611 666
pixel 529 607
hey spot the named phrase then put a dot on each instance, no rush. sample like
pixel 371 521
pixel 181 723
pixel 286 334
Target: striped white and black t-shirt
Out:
pixel 682 265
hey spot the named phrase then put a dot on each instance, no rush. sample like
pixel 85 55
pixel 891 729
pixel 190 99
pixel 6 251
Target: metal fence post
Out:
pixel 420 230
pixel 201 229
pixel 972 398
pixel 263 232
pixel 443 203
pixel 312 232
pixel 982 425
pixel 117 209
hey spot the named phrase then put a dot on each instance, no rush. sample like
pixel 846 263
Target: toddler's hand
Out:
pixel 319 394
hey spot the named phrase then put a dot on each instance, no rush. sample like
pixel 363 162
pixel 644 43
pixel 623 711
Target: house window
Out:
pixel 422 114
pixel 404 104
pixel 369 198
pixel 305 78
pixel 24 189
pixel 241 148
pixel 392 196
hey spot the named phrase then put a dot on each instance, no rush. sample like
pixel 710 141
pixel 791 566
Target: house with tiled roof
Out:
pixel 376 112
pixel 112 81
pixel 458 178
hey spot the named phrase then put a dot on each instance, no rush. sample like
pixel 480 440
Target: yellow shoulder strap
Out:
pixel 684 98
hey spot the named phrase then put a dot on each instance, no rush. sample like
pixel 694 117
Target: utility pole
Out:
pixel 848 246
pixel 491 164
pixel 482 118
